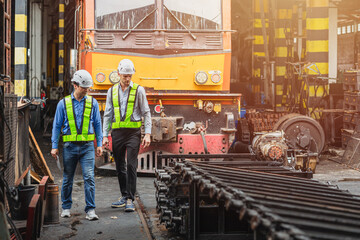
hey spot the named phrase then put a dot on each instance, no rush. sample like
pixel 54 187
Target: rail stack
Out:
pixel 204 200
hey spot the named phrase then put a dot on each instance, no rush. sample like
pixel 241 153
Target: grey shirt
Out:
pixel 141 108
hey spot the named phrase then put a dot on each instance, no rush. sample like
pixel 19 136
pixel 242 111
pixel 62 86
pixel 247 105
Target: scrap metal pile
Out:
pixel 249 199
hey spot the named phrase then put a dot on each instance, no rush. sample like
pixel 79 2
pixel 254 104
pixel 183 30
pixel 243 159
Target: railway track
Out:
pixel 233 200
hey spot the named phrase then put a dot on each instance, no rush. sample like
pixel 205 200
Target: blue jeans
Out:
pixel 85 154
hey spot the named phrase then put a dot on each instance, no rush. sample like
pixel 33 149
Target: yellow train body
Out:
pixel 174 72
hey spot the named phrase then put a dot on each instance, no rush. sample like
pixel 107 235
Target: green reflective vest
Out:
pixel 75 134
pixel 125 122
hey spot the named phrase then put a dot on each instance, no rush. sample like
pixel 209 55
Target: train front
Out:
pixel 182 55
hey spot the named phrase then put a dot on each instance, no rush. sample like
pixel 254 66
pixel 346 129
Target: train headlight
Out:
pixel 114 77
pixel 201 78
pixel 215 78
pixel 100 77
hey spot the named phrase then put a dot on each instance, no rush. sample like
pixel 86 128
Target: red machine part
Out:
pixel 275 152
pixel 189 143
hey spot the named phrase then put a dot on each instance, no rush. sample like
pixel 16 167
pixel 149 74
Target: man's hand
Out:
pixel 99 151
pixel 146 141
pixel 105 142
pixel 54 152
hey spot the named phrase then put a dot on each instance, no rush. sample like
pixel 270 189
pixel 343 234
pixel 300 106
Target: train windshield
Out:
pixel 193 14
pixel 110 14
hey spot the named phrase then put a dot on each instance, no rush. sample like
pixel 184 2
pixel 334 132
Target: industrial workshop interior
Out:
pixel 191 119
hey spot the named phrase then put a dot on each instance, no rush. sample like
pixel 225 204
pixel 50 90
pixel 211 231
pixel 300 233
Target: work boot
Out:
pixel 65 213
pixel 120 203
pixel 90 215
pixel 129 207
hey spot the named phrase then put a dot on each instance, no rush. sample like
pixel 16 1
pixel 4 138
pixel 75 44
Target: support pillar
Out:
pixel 61 44
pixel 317 52
pixel 259 47
pixel 283 48
pixel 20 51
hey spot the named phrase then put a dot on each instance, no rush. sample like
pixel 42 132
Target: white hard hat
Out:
pixel 126 66
pixel 82 78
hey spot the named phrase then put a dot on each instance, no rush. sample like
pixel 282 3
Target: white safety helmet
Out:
pixel 126 66
pixel 82 78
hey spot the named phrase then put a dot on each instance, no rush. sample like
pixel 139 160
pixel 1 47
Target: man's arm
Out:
pixel 57 124
pixel 97 123
pixel 108 115
pixel 145 112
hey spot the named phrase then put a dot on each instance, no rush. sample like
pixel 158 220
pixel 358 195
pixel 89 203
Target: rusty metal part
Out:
pixel 262 121
pixel 204 142
pixel 234 160
pixel 243 131
pixel 164 129
pixel 351 156
pixel 230 123
pixel 271 146
pixel 283 119
pixel 142 213
pixel 205 201
pixel 52 205
pixel 208 106
pixel 304 133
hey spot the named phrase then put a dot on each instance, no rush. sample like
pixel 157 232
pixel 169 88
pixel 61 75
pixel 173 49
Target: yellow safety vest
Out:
pixel 75 134
pixel 125 122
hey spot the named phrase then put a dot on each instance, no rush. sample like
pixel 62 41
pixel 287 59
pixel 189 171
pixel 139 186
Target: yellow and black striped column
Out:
pixel 282 50
pixel 303 49
pixel 295 27
pixel 20 48
pixel 317 49
pixel 61 44
pixel 258 47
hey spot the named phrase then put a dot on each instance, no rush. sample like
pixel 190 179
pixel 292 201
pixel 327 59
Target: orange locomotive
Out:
pixel 182 55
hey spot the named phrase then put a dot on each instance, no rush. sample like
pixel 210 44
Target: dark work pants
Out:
pixel 126 142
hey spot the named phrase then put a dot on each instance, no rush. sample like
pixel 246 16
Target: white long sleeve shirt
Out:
pixel 141 108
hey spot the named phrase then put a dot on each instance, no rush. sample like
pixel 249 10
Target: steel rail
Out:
pixel 292 207
pixel 306 222
pixel 303 223
pixel 270 189
pixel 275 205
pixel 261 184
pixel 296 214
pixel 271 178
pixel 297 195
pixel 254 218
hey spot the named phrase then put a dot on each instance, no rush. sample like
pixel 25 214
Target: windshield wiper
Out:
pixel 173 15
pixel 127 34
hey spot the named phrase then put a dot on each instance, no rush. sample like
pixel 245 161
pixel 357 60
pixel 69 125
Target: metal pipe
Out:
pixel 273 83
pixel 204 142
pixel 75 27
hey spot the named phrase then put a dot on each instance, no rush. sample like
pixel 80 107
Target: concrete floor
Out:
pixel 333 173
pixel 116 224
pixel 113 223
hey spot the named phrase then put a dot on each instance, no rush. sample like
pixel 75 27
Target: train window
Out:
pixel 199 14
pixel 110 14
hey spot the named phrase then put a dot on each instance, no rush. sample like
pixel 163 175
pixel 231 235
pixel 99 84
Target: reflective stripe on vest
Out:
pixel 75 135
pixel 124 123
